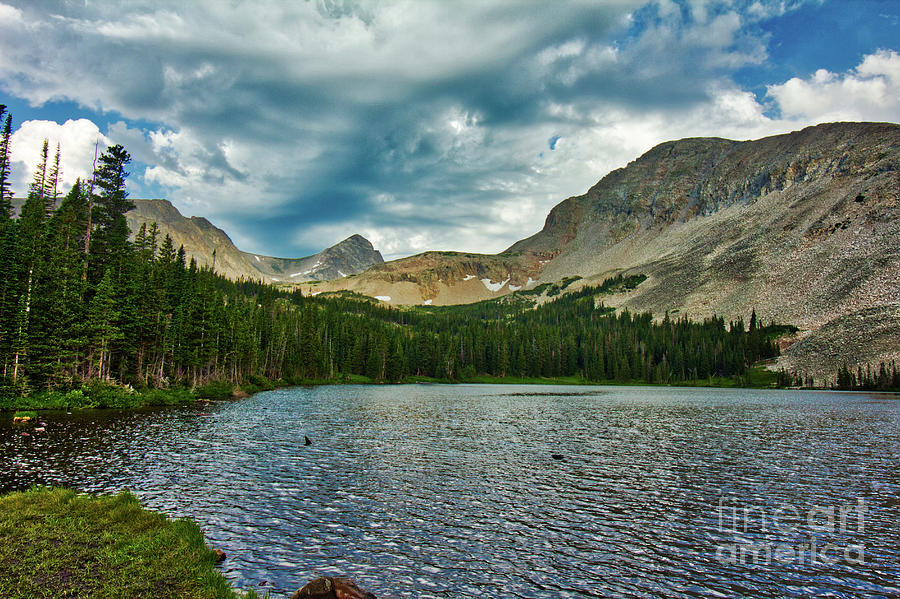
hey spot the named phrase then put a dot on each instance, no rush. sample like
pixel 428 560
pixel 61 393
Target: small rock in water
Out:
pixel 306 440
pixel 25 435
pixel 220 555
pixel 39 429
pixel 558 456
pixel 331 588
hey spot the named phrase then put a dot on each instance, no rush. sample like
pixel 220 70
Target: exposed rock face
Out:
pixel 803 227
pixel 437 278
pixel 200 238
pixel 351 256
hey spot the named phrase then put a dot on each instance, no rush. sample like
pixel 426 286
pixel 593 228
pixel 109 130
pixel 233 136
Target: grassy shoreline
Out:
pixel 103 395
pixel 109 396
pixel 106 395
pixel 55 542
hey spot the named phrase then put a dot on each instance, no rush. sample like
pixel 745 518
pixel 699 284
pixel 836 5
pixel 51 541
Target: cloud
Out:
pixel 871 91
pixel 304 110
pixel 10 14
pixel 419 124
pixel 76 139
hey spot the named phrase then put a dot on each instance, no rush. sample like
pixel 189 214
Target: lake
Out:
pixel 511 491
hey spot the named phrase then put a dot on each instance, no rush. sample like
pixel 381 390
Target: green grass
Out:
pixel 760 377
pixel 95 394
pixel 57 543
pixel 215 390
pixel 26 414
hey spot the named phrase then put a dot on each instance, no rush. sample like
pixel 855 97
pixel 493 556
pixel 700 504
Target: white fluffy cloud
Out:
pixel 76 139
pixel 870 92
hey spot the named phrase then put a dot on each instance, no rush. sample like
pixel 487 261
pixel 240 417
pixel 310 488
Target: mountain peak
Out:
pixel 357 238
pixel 201 239
pixel 351 256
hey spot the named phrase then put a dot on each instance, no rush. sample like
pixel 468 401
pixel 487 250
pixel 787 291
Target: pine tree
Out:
pixel 57 324
pixel 8 242
pixel 31 236
pixel 109 237
pixel 51 182
pixel 394 367
pixel 9 283
pixel 104 331
pixel 5 194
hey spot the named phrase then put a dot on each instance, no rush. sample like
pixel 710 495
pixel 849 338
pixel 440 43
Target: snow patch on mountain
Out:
pixel 495 287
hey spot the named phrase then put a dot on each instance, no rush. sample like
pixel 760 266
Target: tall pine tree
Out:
pixel 5 194
pixel 109 236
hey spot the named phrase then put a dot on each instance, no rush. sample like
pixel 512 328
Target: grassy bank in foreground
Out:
pixel 57 543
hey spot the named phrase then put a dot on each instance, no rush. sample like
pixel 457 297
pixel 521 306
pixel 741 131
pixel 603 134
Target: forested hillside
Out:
pixel 79 302
pixel 801 227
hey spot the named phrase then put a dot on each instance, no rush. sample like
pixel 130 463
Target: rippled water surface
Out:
pixel 459 491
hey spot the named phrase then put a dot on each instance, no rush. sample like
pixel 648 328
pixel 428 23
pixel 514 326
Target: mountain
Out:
pixel 353 255
pixel 201 238
pixel 802 227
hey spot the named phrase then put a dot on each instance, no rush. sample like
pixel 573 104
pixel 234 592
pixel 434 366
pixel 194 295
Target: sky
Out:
pixel 420 124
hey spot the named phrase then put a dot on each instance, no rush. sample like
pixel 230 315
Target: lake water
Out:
pixel 454 491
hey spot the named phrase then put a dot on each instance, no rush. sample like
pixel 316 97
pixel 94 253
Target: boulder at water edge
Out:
pixel 331 588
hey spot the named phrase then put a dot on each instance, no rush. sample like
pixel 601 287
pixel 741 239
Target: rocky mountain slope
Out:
pixel 353 255
pixel 802 227
pixel 201 238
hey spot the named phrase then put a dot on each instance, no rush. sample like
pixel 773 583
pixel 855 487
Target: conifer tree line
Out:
pixel 884 377
pixel 573 335
pixel 80 300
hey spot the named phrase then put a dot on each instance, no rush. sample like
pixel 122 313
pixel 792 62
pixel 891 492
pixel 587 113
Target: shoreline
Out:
pixel 111 396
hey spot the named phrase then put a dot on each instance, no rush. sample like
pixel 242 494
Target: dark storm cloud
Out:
pixel 419 124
